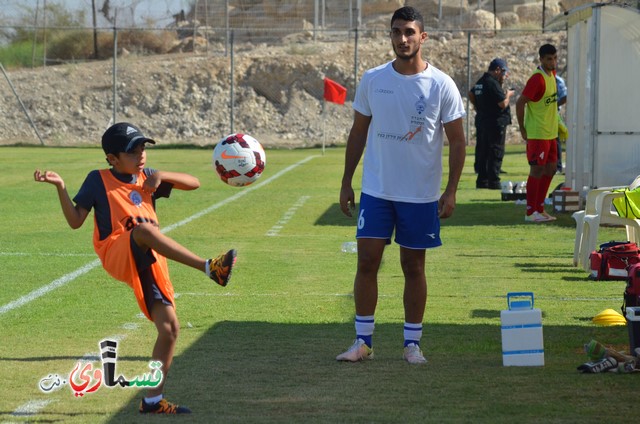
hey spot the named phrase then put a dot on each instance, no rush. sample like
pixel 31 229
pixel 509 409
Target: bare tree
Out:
pixel 106 11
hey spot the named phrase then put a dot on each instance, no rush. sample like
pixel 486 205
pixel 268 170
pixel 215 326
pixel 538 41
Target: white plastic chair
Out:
pixel 599 211
pixel 590 209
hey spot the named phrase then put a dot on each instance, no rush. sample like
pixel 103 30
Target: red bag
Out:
pixel 632 291
pixel 613 260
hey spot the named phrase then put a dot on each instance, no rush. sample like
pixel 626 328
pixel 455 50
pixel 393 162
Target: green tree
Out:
pixel 36 24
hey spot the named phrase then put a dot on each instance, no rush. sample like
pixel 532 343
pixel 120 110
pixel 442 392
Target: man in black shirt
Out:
pixel 493 115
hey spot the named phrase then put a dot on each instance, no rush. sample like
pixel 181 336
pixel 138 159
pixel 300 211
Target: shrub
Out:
pixel 78 45
pixel 21 55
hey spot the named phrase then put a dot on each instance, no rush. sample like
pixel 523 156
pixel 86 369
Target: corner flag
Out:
pixel 334 92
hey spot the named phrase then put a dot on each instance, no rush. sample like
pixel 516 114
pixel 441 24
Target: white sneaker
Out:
pixel 536 217
pixel 413 355
pixel 549 217
pixel 357 352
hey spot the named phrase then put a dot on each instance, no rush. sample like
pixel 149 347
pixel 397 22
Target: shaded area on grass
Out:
pixel 334 216
pixel 478 212
pixel 262 372
pixel 499 213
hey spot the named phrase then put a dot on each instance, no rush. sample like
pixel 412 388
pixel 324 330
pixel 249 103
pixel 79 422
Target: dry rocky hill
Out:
pixel 184 98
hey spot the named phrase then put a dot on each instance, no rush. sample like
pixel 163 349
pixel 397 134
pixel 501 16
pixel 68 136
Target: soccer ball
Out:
pixel 239 159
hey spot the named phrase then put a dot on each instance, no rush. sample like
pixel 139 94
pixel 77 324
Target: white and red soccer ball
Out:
pixel 239 159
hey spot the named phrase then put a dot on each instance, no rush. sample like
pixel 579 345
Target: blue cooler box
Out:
pixel 521 325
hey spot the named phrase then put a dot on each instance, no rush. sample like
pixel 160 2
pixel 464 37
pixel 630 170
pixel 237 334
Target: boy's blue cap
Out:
pixel 123 137
pixel 498 63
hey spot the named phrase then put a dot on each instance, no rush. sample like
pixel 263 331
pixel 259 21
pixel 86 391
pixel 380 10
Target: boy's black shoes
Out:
pixel 162 407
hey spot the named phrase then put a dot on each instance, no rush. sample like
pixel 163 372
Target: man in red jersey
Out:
pixel 537 113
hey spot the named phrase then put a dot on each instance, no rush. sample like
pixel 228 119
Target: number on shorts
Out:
pixel 361 220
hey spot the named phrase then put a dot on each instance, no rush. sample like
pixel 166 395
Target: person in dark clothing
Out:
pixel 493 114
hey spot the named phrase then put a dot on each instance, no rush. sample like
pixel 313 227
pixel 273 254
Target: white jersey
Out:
pixel 403 155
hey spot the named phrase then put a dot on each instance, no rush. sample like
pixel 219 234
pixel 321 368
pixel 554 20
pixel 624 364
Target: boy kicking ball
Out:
pixel 128 240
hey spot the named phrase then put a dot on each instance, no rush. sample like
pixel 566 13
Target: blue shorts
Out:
pixel 417 225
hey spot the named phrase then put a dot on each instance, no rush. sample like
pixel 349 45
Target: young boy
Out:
pixel 128 240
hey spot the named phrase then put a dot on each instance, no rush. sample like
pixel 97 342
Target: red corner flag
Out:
pixel 334 92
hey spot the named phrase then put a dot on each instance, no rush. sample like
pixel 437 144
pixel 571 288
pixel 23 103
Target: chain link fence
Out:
pixel 194 73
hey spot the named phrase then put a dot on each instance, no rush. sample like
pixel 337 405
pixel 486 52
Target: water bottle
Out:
pixel 521 187
pixel 518 189
pixel 350 247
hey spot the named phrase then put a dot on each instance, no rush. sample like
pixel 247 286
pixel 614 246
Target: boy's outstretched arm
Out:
pixel 74 214
pixel 180 180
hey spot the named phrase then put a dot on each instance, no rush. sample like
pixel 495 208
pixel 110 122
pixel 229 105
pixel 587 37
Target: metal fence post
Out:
pixel 468 82
pixel 35 36
pixel 44 34
pixel 115 67
pixel 231 90
pixel 24 109
pixel 195 26
pixel 355 58
pixel 315 20
pixel 95 30
pixel 355 61
pixel 226 26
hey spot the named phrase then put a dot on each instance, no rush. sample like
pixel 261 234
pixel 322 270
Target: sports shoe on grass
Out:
pixel 219 269
pixel 413 355
pixel 603 365
pixel 162 407
pixel 536 217
pixel 357 352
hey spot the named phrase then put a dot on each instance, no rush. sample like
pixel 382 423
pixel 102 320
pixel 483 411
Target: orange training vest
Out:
pixel 129 206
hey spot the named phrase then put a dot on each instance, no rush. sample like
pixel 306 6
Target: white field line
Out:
pixel 31 407
pixel 241 193
pixel 275 230
pixel 93 264
pixel 62 255
pixel 34 406
pixel 49 287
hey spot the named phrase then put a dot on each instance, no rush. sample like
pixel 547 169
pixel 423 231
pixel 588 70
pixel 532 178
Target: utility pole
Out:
pixel 44 34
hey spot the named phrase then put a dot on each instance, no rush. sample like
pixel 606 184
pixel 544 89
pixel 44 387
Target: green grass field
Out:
pixel 263 349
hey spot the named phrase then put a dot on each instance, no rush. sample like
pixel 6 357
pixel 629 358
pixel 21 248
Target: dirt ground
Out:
pixel 184 98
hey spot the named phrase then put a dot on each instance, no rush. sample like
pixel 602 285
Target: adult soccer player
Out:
pixel 403 109
pixel 537 113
